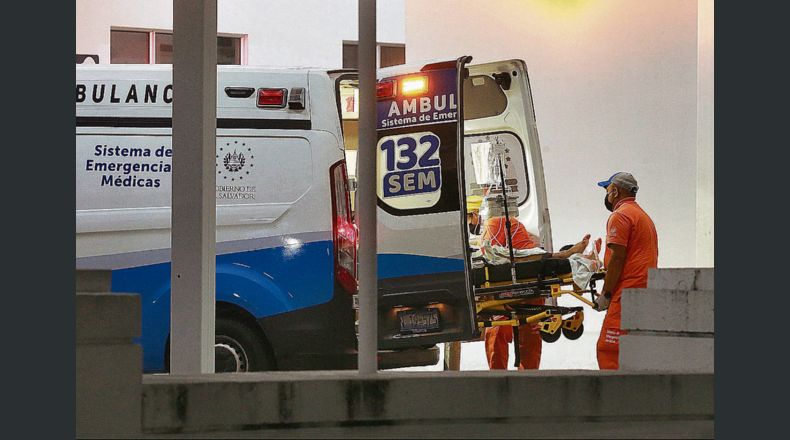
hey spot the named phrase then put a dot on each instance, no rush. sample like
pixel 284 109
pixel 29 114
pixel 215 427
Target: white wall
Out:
pixel 615 89
pixel 614 82
pixel 705 135
pixel 281 32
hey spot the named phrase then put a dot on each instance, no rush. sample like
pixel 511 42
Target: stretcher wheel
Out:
pixel 573 335
pixel 550 337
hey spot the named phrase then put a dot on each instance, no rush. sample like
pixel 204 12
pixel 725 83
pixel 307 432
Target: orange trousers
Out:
pixel 608 347
pixel 498 338
pixel 529 344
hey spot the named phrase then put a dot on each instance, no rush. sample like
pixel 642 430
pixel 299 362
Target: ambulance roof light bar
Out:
pixel 385 89
pixel 414 85
pixel 409 86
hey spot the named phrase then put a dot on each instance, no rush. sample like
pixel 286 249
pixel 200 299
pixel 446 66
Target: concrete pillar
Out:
pixel 452 356
pixel 704 227
pixel 194 204
pixel 366 201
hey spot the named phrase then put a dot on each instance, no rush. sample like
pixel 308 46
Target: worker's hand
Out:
pixel 602 302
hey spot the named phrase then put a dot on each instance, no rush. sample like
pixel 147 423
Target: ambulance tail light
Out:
pixel 414 85
pixel 344 230
pixel 385 90
pixel 272 98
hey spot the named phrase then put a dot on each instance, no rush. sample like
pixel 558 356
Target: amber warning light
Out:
pixel 415 85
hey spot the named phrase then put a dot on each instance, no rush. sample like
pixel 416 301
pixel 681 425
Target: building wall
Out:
pixel 281 32
pixel 615 84
pixel 615 89
pixel 705 136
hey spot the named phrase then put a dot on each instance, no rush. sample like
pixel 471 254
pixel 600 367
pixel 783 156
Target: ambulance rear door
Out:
pixel 424 297
pixel 499 126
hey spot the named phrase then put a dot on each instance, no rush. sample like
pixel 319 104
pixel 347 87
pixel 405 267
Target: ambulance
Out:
pixel 286 237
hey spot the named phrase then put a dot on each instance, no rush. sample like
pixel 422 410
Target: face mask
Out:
pixel 607 203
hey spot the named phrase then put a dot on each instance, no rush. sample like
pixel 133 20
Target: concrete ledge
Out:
pixel 105 318
pixel 96 281
pixel 566 400
pixel 109 390
pixel 485 429
pixel 655 352
pixel 680 279
pixel 109 366
pixel 667 310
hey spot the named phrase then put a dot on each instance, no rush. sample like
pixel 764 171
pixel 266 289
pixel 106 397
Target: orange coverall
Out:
pixel 498 338
pixel 529 345
pixel 629 226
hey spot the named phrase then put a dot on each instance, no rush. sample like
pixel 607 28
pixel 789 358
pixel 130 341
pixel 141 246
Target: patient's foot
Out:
pixel 597 247
pixel 580 246
pixel 576 248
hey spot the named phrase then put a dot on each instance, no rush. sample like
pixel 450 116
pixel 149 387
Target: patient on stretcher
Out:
pixel 531 260
pixel 495 234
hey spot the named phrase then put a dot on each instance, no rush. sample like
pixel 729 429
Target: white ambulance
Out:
pixel 286 239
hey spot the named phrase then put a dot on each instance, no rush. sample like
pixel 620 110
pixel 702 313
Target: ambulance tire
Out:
pixel 239 347
pixel 550 337
pixel 573 335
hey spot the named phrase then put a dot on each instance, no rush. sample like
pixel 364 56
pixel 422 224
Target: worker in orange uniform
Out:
pixel 497 338
pixel 631 249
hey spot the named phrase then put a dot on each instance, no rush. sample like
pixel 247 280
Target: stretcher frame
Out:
pixel 510 298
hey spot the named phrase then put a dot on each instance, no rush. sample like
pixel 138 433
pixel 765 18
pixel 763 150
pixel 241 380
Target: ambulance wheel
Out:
pixel 550 337
pixel 573 335
pixel 240 348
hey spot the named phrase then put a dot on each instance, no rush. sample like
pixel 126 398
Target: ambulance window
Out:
pixel 483 97
pixel 482 153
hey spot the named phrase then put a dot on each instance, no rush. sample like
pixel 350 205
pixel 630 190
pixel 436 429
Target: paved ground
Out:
pixel 561 355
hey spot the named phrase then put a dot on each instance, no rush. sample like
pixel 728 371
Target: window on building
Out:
pixel 228 50
pixel 391 55
pixel 129 47
pixel 163 48
pixel 134 47
pixel 386 54
pixel 350 56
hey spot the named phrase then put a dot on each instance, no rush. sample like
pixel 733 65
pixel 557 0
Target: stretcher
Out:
pixel 505 293
pixel 497 294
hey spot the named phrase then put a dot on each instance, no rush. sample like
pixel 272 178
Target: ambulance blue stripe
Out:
pixel 400 265
pixel 264 282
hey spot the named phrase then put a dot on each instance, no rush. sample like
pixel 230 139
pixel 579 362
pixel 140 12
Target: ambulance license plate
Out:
pixel 418 321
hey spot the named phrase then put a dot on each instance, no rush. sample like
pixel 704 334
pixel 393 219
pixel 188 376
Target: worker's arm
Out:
pixel 614 268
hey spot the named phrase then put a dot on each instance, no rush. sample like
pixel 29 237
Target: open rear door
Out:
pixel 503 171
pixel 499 118
pixel 424 296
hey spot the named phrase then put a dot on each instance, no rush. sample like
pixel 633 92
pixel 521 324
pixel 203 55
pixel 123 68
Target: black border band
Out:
pixel 136 122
